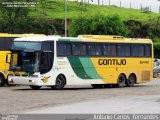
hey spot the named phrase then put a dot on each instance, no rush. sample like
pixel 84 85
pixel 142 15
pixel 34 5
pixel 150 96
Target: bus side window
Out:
pixel 109 50
pixel 64 49
pixel 76 49
pixel 137 50
pixel 46 62
pixel 123 50
pixel 148 50
pixel 43 63
pixel 42 59
pixel 79 49
pixel 95 49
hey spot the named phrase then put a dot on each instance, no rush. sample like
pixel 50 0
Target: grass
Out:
pixel 55 9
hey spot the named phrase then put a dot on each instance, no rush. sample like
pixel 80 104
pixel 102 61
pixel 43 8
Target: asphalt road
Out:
pixel 22 99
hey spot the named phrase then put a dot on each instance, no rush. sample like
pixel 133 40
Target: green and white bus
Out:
pixel 57 62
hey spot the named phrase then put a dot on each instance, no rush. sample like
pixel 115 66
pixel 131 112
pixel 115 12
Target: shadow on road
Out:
pixel 16 88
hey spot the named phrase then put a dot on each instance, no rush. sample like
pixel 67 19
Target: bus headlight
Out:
pixel 32 81
pixel 10 80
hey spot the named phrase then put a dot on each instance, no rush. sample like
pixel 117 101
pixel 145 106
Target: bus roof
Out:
pixel 19 35
pixel 86 38
pixel 38 38
pixel 106 38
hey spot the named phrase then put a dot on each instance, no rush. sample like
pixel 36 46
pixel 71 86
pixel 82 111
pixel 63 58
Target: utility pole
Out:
pixel 141 6
pixel 150 8
pixel 65 15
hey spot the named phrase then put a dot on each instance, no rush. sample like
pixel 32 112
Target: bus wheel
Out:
pixel 131 80
pixel 121 81
pixel 60 83
pixel 97 86
pixel 35 87
pixel 2 80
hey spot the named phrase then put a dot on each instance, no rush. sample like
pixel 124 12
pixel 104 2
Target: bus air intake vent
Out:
pixel 17 75
pixel 24 75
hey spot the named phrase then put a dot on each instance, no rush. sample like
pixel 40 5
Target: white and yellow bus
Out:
pixel 58 62
pixel 5 46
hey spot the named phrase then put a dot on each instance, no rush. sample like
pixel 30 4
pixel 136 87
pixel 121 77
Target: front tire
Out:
pixel 35 87
pixel 2 81
pixel 121 81
pixel 60 83
pixel 131 80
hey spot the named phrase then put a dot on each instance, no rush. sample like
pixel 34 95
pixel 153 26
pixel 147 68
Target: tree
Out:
pixel 138 29
pixel 12 16
pixel 16 20
pixel 98 25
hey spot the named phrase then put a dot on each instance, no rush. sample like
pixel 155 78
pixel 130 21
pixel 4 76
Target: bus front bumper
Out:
pixel 25 81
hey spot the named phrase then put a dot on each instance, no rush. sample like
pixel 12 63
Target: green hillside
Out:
pixel 55 9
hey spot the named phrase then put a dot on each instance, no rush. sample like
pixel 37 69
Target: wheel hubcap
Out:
pixel 58 83
pixel 121 80
pixel 131 80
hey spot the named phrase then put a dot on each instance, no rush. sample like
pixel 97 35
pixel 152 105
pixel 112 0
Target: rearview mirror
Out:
pixel 8 58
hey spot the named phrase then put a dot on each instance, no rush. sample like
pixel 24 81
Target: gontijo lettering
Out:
pixel 112 62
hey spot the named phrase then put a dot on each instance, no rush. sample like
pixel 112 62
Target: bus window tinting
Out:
pixel 5 43
pixel 119 50
pixel 138 50
pixel 147 50
pixel 20 45
pixel 95 50
pixel 46 62
pixel 64 49
pixel 79 49
pixel 123 50
pixel 48 46
pixel 109 50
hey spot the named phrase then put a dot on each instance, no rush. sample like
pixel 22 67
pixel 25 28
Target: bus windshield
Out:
pixel 26 45
pixel 30 62
pixel 32 56
pixel 27 61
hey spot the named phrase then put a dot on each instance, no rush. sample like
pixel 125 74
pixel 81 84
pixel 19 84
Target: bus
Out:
pixel 5 46
pixel 95 60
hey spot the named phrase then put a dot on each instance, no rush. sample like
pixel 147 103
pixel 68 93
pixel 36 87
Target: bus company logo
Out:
pixel 144 62
pixel 112 62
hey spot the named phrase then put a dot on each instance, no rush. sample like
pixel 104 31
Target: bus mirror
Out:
pixel 7 59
